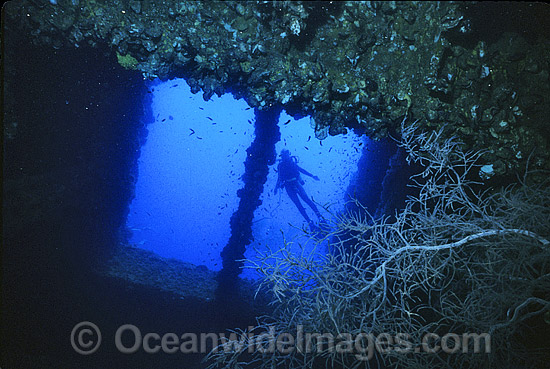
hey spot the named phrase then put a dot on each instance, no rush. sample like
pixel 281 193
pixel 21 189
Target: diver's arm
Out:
pixel 307 173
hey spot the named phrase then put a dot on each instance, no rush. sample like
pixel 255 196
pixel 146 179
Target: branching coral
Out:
pixel 454 262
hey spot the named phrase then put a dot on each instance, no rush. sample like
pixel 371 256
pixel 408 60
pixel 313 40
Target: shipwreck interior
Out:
pixel 132 199
pixel 70 175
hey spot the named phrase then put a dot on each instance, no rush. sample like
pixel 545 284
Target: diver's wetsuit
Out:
pixel 289 177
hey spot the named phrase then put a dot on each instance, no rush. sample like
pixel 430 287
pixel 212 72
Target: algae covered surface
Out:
pixel 347 64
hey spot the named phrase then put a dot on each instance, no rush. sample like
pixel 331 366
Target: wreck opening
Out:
pixel 190 172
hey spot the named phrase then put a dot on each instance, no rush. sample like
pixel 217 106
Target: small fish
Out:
pixel 236 151
pixel 329 150
pixel 201 108
pixel 360 143
pixel 200 138
pixel 285 123
pixel 320 142
pixel 164 120
pixel 176 85
pixel 305 147
pixel 209 118
pixel 309 138
pixel 249 121
pixel 356 149
pixel 192 132
pixel 248 108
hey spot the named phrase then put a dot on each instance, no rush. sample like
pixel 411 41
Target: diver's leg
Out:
pixel 308 201
pixel 291 190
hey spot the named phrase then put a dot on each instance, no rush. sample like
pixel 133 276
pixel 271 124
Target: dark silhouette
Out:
pixel 260 155
pixel 289 178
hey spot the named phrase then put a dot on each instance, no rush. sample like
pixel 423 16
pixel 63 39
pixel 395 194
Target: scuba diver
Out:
pixel 289 178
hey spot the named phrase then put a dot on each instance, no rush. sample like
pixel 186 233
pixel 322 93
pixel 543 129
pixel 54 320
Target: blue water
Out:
pixel 190 170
